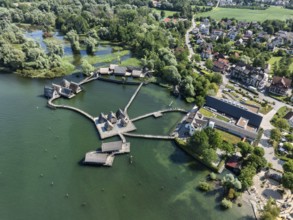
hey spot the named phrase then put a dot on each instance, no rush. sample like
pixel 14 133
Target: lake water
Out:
pixel 40 146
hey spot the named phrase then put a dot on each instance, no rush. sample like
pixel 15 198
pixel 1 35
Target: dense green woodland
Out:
pixel 160 45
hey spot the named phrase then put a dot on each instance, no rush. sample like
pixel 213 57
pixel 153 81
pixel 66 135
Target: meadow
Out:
pixel 271 13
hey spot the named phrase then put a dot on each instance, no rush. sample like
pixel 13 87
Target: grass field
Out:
pixel 229 137
pixel 276 59
pixel 167 13
pixel 271 13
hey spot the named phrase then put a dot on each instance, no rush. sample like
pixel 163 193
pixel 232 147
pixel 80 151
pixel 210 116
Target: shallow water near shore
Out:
pixel 40 151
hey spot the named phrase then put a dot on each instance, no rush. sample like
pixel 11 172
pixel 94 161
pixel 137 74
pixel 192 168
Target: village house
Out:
pixel 280 85
pixel 232 35
pixel 120 71
pixel 204 29
pixel 221 65
pixel 207 51
pixel 249 75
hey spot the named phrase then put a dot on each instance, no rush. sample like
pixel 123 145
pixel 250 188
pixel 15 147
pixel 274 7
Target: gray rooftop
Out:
pixel 96 157
pixel 112 146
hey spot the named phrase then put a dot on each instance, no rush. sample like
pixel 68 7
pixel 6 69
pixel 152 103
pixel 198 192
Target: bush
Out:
pixel 226 204
pixel 213 176
pixel 204 186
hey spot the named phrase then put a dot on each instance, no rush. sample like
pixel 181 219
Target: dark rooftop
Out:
pixel 234 111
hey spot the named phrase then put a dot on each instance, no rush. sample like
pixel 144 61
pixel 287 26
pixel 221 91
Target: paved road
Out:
pixel 269 150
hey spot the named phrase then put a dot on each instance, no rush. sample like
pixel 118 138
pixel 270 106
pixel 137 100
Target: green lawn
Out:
pixel 271 13
pixel 276 59
pixel 100 59
pixel 167 13
pixel 131 62
pixel 229 137
pixel 206 112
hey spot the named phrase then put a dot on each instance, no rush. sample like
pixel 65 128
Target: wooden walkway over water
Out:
pixel 52 105
pixel 149 136
pixel 159 113
pixel 132 98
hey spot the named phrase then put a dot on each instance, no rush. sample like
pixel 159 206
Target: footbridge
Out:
pixel 159 113
pixel 132 98
pixel 149 136
pixel 88 79
pixel 52 105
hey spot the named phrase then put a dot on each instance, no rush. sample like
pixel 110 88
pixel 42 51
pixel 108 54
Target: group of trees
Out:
pixel 287 178
pixel 28 58
pixel 253 163
pixel 204 143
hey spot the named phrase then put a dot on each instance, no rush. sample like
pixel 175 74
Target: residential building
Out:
pixel 249 75
pixel 280 85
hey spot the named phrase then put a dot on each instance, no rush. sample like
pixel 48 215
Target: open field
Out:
pixel 167 13
pixel 273 60
pixel 271 13
pixel 229 137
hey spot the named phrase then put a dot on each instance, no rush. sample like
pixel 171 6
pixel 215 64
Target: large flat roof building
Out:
pixel 235 111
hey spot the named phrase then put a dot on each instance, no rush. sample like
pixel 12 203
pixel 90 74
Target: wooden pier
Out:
pixel 132 98
pixel 159 113
pixel 149 136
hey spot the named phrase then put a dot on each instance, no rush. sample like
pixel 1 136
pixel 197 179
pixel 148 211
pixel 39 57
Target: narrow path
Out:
pixel 162 111
pixel 132 98
pixel 148 136
pixel 187 39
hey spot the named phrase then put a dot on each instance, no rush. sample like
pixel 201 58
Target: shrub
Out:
pixel 213 176
pixel 226 204
pixel 204 186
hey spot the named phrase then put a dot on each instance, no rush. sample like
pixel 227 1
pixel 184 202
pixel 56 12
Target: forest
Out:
pixel 160 45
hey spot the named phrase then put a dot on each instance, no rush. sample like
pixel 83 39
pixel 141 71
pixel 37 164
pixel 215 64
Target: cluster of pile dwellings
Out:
pixel 121 71
pixel 66 89
pixel 112 124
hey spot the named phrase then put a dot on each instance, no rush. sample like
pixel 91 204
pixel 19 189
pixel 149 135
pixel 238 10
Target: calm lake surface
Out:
pixel 40 146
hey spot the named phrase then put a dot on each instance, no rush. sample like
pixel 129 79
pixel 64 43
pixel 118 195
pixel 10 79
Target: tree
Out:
pixel 199 141
pixel 227 147
pixel 199 101
pixel 213 176
pixel 204 186
pixel 258 162
pixel 209 64
pixel 86 67
pixel 246 176
pixel 226 204
pixel 287 180
pixel 245 148
pixel 215 139
pixel 209 155
pixel 90 44
pixel 276 134
pixel 282 123
pixel 259 151
pixel 171 75
pixel 217 78
pixel 270 211
pixel 245 59
pixel 196 58
pixel 288 166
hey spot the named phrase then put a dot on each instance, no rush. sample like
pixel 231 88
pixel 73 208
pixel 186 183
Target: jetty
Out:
pixel 149 136
pixel 132 98
pixel 159 113
pixel 52 105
